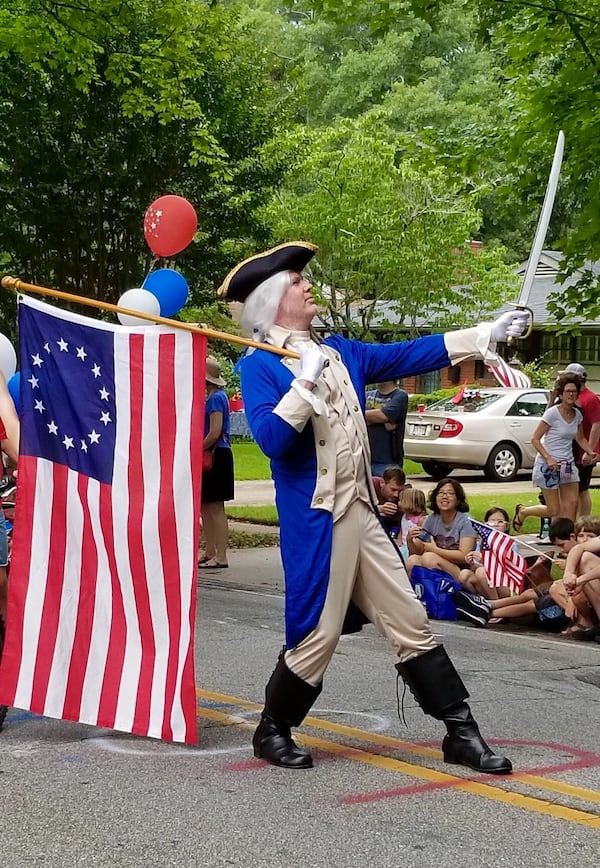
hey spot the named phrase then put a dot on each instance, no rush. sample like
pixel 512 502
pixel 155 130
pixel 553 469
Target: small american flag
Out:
pixel 504 566
pixel 100 625
pixel 507 375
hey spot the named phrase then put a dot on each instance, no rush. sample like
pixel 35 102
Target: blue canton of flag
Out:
pixel 484 532
pixel 68 392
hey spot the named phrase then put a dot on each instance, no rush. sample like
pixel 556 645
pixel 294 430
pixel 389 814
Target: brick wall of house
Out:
pixel 451 377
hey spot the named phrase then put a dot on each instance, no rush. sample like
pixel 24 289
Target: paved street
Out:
pixel 379 793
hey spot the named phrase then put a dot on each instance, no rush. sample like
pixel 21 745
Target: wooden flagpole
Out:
pixel 19 286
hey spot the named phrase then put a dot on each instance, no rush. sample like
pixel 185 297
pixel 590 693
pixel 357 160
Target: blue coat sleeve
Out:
pixel 264 382
pixel 381 362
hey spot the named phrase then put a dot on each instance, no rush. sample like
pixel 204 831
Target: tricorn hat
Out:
pixel 245 277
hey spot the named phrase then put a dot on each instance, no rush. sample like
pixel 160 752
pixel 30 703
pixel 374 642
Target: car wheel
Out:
pixel 503 464
pixel 436 469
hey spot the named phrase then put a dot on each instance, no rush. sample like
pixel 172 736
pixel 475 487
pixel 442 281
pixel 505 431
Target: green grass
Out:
pixel 240 539
pixel 250 463
pixel 256 514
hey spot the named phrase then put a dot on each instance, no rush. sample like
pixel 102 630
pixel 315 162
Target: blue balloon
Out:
pixel 170 288
pixel 14 387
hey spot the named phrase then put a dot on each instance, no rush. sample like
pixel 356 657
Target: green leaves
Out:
pixel 388 231
pixel 109 104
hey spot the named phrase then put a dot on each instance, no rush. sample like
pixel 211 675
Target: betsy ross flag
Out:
pixel 100 625
pixel 504 566
pixel 507 375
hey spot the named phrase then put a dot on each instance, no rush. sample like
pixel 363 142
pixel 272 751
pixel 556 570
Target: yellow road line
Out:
pixel 484 790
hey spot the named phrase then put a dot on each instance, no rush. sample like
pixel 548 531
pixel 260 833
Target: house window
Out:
pixel 555 349
pixel 480 370
pixel 587 349
pixel 429 382
pixel 454 375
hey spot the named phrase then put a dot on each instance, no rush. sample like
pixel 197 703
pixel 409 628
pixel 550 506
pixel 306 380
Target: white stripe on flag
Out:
pixel 38 577
pixel 120 504
pixel 99 640
pixel 185 514
pixel 69 603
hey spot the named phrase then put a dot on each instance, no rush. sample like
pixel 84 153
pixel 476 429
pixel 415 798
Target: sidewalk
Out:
pixel 260 491
pixel 257 569
pixel 260 567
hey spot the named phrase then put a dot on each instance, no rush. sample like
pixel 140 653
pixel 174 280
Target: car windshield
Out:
pixel 471 401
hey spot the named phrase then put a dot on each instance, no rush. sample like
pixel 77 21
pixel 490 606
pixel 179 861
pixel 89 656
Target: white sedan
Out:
pixel 486 429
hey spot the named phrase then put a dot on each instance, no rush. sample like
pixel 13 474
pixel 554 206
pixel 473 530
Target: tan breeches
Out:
pixel 365 568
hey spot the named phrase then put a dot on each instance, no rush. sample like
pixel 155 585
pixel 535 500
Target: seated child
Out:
pixel 573 599
pixel 529 602
pixel 495 517
pixel 413 507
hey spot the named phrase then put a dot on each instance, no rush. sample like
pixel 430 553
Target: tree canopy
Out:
pixel 109 104
pixel 336 120
pixel 387 230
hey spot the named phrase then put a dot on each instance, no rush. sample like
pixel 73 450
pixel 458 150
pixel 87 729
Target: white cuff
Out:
pixel 469 343
pixel 297 406
pixel 314 399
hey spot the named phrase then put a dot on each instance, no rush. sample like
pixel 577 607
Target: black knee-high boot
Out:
pixel 439 690
pixel 288 700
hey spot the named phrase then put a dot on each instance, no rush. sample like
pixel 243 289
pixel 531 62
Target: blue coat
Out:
pixel 306 530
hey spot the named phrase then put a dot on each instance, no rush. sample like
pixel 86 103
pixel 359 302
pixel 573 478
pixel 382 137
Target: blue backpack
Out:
pixel 434 588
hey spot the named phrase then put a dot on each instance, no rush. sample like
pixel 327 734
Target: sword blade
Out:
pixel 544 220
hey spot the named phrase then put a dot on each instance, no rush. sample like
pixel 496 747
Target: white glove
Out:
pixel 511 324
pixel 312 362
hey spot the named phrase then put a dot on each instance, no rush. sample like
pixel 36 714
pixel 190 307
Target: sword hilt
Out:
pixel 527 332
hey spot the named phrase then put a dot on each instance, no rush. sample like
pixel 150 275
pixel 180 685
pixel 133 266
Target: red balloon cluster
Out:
pixel 169 225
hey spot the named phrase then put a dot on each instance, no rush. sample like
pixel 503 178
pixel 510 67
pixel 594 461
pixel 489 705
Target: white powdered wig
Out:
pixel 261 306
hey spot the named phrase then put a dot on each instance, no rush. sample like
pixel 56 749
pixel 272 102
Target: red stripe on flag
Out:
pixel 19 579
pixel 115 655
pixel 85 609
pixel 57 553
pixel 188 690
pixel 167 526
pixel 135 540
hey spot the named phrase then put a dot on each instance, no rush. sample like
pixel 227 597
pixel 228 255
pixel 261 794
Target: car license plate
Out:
pixel 419 430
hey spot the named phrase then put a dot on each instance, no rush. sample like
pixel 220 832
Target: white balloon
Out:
pixel 138 299
pixel 8 357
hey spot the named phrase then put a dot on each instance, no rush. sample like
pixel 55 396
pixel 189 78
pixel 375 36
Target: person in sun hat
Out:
pixel 589 404
pixel 307 416
pixel 217 482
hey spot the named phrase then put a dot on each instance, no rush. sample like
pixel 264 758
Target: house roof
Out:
pixel 544 283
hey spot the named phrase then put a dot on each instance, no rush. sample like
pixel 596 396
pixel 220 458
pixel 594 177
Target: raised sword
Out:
pixel 540 234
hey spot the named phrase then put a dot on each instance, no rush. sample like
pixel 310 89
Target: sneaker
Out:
pixel 8 486
pixel 472 608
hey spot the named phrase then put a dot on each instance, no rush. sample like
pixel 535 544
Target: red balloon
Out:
pixel 169 225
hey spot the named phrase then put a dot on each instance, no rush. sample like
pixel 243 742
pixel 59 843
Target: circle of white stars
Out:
pixel 104 417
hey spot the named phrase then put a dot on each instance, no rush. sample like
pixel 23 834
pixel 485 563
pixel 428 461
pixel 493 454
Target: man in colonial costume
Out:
pixel 307 416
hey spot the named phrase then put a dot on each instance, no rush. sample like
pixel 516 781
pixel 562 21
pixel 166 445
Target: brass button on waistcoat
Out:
pixel 321 442
pixel 319 500
pixel 323 471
